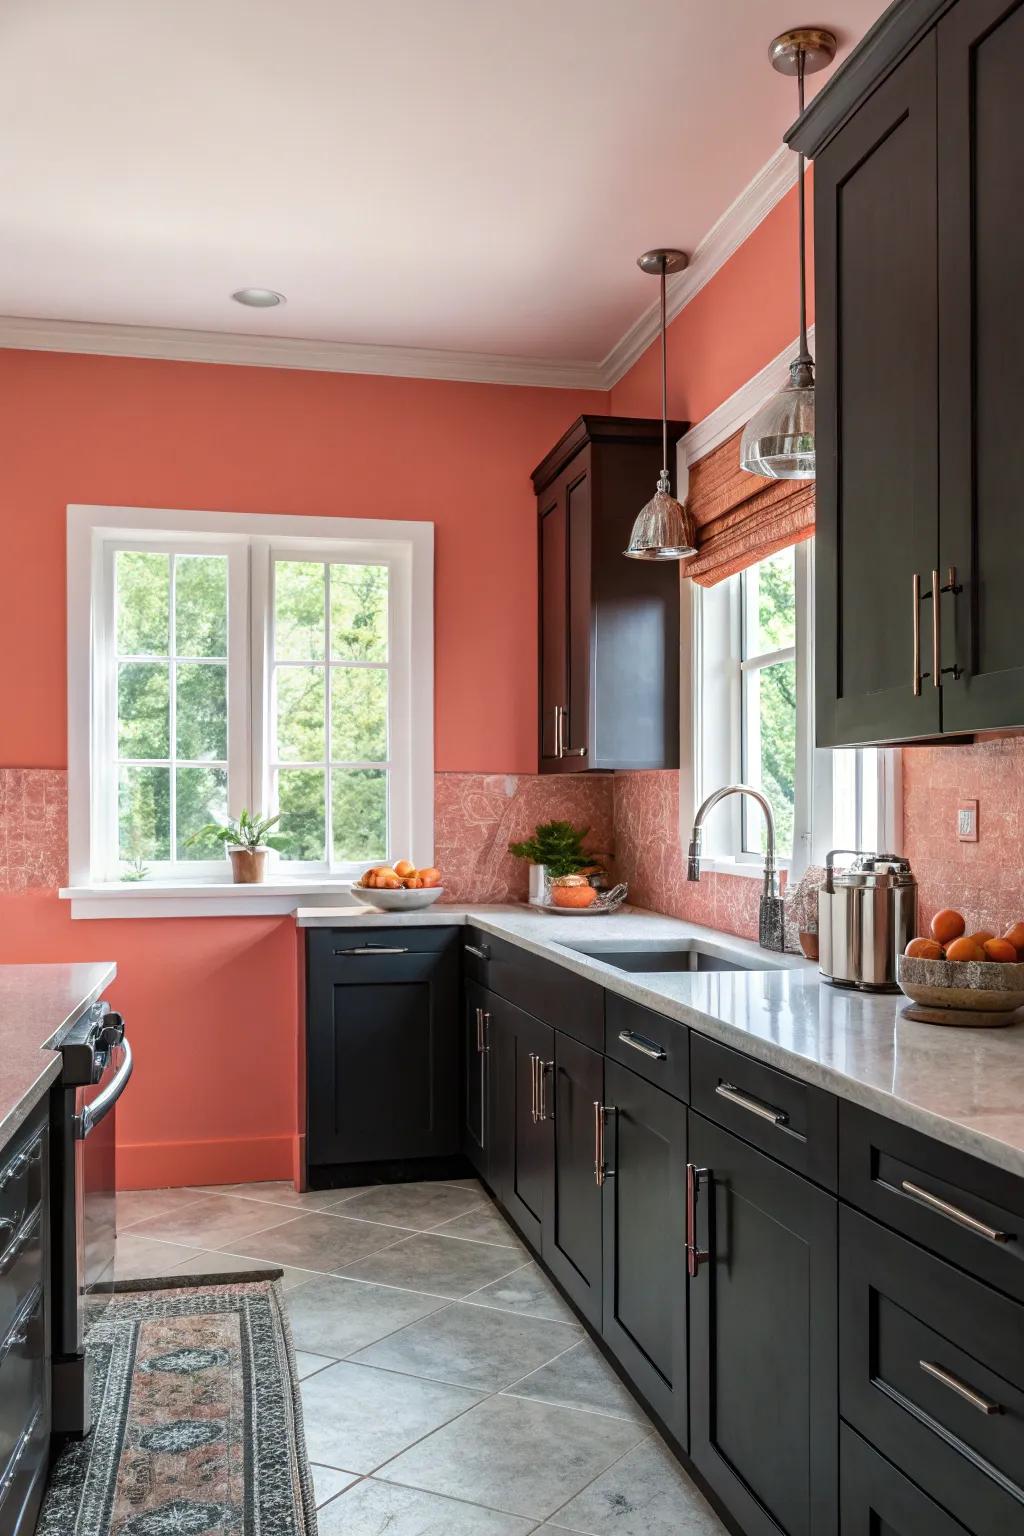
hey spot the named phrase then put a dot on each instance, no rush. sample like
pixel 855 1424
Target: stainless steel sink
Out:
pixel 691 956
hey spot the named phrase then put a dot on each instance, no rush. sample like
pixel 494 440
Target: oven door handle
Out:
pixel 104 1102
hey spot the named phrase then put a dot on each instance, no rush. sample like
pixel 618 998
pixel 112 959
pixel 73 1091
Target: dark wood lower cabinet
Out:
pixel 522 1050
pixel 763 1339
pixel 571 1242
pixel 644 1314
pixel 877 1500
pixel 382 1049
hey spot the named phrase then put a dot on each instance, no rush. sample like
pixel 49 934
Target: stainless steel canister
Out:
pixel 867 915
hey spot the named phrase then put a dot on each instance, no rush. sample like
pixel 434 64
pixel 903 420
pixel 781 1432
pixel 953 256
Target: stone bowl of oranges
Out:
pixel 956 977
pixel 399 887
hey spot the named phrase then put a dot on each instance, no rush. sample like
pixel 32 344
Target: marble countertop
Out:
pixel 37 1004
pixel 964 1087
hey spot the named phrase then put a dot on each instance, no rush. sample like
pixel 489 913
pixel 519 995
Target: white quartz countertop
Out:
pixel 965 1087
pixel 37 1003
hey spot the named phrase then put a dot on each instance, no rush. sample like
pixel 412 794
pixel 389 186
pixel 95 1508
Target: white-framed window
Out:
pixel 222 660
pixel 751 714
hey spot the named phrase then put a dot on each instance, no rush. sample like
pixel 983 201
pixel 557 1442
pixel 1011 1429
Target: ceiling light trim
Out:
pixel 166 344
pixel 724 238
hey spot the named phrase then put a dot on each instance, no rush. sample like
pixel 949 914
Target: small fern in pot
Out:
pixel 246 841
pixel 554 850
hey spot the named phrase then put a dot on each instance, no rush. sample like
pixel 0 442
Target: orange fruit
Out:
pixel 430 877
pixel 980 938
pixel 573 895
pixel 923 949
pixel 1001 950
pixel 947 925
pixel 1015 936
pixel 964 949
pixel 404 869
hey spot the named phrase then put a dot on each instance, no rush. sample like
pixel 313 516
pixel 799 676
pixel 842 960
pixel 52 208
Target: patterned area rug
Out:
pixel 197 1421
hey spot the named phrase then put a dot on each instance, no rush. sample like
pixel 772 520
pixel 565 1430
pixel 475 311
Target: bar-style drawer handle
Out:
pixel 374 949
pixel 641 1043
pixel 752 1106
pixel 954 1213
pixel 473 949
pixel 947 1379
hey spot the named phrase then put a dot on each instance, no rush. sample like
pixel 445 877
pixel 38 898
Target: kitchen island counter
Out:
pixel 37 1004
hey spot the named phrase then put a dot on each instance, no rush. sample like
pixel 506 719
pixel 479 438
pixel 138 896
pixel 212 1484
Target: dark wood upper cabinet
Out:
pixel 919 175
pixel 981 360
pixel 609 627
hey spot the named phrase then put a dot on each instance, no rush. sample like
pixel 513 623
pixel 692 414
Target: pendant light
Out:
pixel 779 440
pixel 663 529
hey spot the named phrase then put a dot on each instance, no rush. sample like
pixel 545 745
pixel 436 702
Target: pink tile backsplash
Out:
pixel 984 880
pixel 651 859
pixel 33 828
pixel 477 815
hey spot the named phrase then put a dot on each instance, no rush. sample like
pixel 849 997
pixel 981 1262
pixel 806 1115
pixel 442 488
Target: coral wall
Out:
pixel 984 880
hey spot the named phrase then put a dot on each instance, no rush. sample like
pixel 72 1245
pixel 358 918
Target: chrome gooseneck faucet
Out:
pixel 771 922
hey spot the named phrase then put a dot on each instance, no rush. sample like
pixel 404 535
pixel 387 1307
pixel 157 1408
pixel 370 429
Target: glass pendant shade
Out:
pixel 663 529
pixel 779 440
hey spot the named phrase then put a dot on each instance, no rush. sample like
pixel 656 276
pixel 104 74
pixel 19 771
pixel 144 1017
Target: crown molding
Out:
pixel 227 347
pixel 770 184
pixel 738 221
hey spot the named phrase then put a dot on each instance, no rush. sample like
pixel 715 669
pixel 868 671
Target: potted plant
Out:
pixel 247 843
pixel 555 849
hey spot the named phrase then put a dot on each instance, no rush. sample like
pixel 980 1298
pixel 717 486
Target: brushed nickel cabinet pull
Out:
pixel 374 949
pixel 472 949
pixel 641 1043
pixel 558 731
pixel 479 1014
pixel 751 1105
pixel 695 1255
pixel 936 631
pixel 487 1029
pixel 543 1068
pixel 916 589
pixel 600 1171
pixel 946 1378
pixel 533 1087
pixel 954 1213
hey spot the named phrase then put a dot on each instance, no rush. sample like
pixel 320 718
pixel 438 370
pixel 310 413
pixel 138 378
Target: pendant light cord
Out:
pixel 805 356
pixel 664 382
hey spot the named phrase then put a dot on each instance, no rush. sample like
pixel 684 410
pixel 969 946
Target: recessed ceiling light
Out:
pixel 258 298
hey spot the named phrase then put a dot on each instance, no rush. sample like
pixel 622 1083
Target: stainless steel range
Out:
pixel 97 1066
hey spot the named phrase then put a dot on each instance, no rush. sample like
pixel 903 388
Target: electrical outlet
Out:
pixel 967 821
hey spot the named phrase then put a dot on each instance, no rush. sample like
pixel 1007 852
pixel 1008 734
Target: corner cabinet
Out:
pixel 600 612
pixel 919 178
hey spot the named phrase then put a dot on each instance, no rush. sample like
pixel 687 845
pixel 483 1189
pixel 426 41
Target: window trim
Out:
pixel 91 533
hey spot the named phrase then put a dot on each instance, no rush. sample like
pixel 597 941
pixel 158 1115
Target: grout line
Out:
pixel 126 1226
pixel 551 1520
pixel 371 1477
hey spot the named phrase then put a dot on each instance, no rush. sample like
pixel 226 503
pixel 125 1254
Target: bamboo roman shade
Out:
pixel 740 517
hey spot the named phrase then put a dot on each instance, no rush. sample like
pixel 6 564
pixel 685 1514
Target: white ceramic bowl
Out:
pixel 398 901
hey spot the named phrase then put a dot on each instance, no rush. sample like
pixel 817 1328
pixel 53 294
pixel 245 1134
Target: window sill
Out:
pixel 723 865
pixel 203 898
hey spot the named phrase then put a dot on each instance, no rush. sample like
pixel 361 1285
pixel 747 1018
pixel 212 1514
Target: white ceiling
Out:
pixel 456 174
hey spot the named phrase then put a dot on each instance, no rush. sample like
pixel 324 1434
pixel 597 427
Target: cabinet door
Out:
pixel 763 1410
pixel 476 1078
pixel 554 623
pixel 644 1304
pixel 382 1056
pixel 523 1150
pixel 572 1212
pixel 981 330
pixel 877 412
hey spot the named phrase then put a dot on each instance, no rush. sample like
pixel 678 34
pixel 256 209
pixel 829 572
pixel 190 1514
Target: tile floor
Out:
pixel 446 1385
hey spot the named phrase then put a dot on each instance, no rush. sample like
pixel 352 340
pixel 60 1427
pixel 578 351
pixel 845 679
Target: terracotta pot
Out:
pixel 248 865
pixel 809 944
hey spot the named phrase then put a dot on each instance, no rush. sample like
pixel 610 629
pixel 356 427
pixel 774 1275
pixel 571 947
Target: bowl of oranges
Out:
pixel 399 887
pixel 956 977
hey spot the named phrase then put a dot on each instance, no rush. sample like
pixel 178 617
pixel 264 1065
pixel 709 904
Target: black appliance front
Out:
pixel 97 1065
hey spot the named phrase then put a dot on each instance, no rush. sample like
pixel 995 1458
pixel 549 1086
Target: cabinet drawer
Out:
pixel 21 1180
pixel 932 1372
pixel 21 1266
pixel 962 1209
pixel 23 1372
pixel 649 1044
pixel 326 944
pixel 792 1121
pixel 558 997
pixel 876 1500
